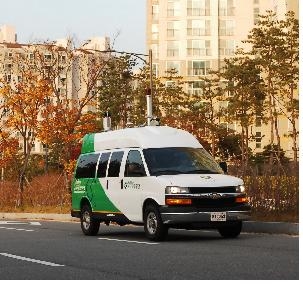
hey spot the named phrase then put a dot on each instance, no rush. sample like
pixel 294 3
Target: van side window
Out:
pixel 86 167
pixel 101 172
pixel 115 163
pixel 134 166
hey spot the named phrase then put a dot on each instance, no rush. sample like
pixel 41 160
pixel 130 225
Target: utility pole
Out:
pixel 149 95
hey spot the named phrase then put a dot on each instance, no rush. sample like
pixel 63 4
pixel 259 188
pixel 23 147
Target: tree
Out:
pixel 205 107
pixel 9 147
pixel 115 90
pixel 275 44
pixel 246 96
pixel 24 102
pixel 261 160
pixel 289 76
pixel 70 110
pixel 171 99
pixel 229 145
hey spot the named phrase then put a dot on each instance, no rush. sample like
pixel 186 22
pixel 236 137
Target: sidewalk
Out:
pixel 248 226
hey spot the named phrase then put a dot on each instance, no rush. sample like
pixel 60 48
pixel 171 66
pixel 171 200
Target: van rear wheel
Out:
pixel 154 228
pixel 89 225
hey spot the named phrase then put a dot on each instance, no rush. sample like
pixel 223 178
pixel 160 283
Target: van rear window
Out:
pixel 86 167
pixel 103 165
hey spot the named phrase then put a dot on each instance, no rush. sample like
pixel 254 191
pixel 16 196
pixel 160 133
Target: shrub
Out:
pixel 42 193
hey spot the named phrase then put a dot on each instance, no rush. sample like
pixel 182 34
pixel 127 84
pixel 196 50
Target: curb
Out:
pixel 39 216
pixel 248 226
pixel 271 227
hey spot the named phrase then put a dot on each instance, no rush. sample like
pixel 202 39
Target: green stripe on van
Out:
pixel 88 143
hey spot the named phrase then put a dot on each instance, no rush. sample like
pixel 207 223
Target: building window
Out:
pixel 226 27
pixel 31 57
pixel 173 8
pixel 198 27
pixel 172 48
pixel 258 121
pixel 156 69
pixel 8 78
pixel 62 59
pixel 256 15
pixel 155 12
pixel 198 7
pixel 226 8
pixel 258 139
pixel 227 47
pixel 173 66
pixel 173 28
pixel 198 68
pixel 198 48
pixel 195 88
pixel 155 31
pixel 155 50
pixel 47 57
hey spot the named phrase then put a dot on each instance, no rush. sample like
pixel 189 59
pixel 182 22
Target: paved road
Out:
pixel 59 250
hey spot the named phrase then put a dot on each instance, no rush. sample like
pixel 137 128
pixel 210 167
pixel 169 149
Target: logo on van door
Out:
pixel 78 188
pixel 131 185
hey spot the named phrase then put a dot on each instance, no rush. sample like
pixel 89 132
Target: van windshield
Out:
pixel 180 160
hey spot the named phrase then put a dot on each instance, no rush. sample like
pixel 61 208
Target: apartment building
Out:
pixel 194 36
pixel 8 34
pixel 71 69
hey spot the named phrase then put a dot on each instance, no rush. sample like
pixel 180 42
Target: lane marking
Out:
pixel 19 223
pixel 127 241
pixel 16 229
pixel 31 259
pixel 35 223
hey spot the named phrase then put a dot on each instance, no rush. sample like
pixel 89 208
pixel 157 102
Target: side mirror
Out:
pixel 223 166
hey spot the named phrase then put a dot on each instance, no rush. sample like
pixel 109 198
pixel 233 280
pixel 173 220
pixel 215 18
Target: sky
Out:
pixel 124 21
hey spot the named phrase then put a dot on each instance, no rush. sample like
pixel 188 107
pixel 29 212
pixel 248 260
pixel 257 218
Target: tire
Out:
pixel 154 228
pixel 231 231
pixel 89 226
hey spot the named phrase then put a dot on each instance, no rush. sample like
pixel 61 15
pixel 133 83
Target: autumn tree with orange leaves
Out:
pixel 9 147
pixel 23 102
pixel 8 144
pixel 71 109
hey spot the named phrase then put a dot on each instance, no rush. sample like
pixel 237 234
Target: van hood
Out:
pixel 200 180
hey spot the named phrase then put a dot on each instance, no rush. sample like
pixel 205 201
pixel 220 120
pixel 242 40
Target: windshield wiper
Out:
pixel 201 172
pixel 166 172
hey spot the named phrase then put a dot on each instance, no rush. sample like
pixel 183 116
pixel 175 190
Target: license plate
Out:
pixel 218 216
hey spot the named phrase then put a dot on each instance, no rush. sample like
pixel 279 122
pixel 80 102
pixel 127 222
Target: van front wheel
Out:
pixel 231 231
pixel 89 226
pixel 154 228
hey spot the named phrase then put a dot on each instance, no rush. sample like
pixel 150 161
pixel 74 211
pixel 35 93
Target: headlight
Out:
pixel 176 189
pixel 240 188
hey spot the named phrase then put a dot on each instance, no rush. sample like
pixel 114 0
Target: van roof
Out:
pixel 140 137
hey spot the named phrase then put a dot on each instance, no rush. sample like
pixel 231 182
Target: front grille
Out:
pixel 223 189
pixel 214 203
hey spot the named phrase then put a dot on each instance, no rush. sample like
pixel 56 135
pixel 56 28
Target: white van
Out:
pixel 156 176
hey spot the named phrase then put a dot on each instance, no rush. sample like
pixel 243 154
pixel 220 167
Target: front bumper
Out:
pixel 182 215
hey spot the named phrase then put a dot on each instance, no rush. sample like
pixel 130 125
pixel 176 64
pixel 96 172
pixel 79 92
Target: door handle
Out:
pixel 107 184
pixel 121 183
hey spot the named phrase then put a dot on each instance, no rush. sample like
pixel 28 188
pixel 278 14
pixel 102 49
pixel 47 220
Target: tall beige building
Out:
pixel 194 36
